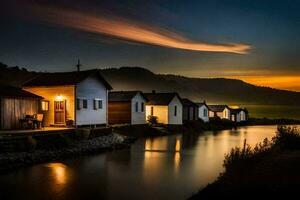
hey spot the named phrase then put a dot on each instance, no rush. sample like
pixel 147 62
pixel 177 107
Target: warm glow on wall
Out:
pixel 59 98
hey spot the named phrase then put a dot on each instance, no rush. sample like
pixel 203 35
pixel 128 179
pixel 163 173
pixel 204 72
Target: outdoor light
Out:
pixel 59 98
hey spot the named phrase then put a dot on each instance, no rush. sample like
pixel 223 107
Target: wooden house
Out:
pixel 72 98
pixel 238 115
pixel 126 107
pixel 203 111
pixel 221 111
pixel 167 107
pixel 15 104
pixel 189 110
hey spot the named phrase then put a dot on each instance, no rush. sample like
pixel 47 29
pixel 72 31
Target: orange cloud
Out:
pixel 128 30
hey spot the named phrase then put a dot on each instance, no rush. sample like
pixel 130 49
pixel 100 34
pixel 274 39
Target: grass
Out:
pixel 273 111
pixel 269 169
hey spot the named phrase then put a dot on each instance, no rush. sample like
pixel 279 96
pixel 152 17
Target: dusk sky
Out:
pixel 253 40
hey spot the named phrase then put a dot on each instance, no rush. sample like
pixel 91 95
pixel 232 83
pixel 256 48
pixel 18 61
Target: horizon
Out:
pixel 253 41
pixel 181 75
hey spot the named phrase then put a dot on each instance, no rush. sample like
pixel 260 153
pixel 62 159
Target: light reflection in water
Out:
pixel 167 167
pixel 176 162
pixel 59 173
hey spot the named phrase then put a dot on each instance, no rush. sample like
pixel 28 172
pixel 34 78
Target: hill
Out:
pixel 213 90
pixel 260 101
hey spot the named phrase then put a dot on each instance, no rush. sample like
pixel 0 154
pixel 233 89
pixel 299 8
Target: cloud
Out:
pixel 127 30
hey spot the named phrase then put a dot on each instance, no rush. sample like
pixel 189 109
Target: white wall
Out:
pixel 172 119
pixel 90 89
pixel 243 115
pixel 201 113
pixel 226 114
pixel 138 117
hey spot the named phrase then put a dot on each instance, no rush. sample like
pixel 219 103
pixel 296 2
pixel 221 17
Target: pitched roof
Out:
pixel 202 104
pixel 236 110
pixel 117 96
pixel 9 91
pixel 217 108
pixel 161 98
pixel 65 78
pixel 187 102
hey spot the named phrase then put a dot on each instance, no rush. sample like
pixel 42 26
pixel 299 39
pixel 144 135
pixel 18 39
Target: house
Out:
pixel 126 107
pixel 238 115
pixel 15 104
pixel 167 107
pixel 72 98
pixel 221 111
pixel 203 111
pixel 189 110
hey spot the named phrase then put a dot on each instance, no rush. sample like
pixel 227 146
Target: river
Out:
pixel 167 167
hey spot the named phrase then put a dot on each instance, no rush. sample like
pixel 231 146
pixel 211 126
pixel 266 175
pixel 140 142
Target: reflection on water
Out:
pixel 59 173
pixel 167 167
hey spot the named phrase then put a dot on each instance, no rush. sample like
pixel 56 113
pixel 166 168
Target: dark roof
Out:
pixel 187 102
pixel 118 96
pixel 65 78
pixel 236 110
pixel 217 108
pixel 9 91
pixel 161 98
pixel 201 104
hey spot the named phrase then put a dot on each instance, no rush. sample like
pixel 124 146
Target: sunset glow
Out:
pixel 281 82
pixel 128 30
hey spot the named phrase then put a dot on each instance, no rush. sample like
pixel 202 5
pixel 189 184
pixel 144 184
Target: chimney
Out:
pixel 153 91
pixel 78 65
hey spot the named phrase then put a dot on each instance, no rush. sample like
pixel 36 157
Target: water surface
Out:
pixel 168 167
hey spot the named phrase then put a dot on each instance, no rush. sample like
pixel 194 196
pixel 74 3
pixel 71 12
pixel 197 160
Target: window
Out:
pixel 84 103
pixel 205 112
pixel 136 107
pixel 142 107
pixel 95 104
pixel 78 105
pixel 98 104
pixel 175 111
pixel 152 110
pixel 45 105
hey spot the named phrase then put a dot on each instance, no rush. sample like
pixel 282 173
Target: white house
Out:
pixel 221 111
pixel 238 115
pixel 127 107
pixel 203 112
pixel 72 98
pixel 167 107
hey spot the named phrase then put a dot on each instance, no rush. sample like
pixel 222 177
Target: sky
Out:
pixel 253 40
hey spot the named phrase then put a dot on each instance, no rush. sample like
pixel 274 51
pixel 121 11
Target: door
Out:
pixel 59 112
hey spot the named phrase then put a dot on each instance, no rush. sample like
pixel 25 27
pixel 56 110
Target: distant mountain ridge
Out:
pixel 213 90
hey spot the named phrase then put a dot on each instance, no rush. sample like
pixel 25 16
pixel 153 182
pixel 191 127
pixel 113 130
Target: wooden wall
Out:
pixel 190 113
pixel 13 109
pixel 119 112
pixel 50 93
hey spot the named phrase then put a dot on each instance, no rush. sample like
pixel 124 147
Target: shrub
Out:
pixel 152 119
pixel 287 138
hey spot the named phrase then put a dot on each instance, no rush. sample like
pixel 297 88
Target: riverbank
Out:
pixel 13 160
pixel 270 169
